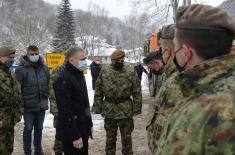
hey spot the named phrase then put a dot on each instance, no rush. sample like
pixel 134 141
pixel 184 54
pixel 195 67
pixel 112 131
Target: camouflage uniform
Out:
pixel 203 121
pixel 11 109
pixel 164 103
pixel 58 146
pixel 117 97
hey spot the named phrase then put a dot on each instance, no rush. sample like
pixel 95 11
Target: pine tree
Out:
pixel 65 32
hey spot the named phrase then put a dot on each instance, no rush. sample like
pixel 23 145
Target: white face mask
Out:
pixel 98 62
pixel 34 58
pixel 82 65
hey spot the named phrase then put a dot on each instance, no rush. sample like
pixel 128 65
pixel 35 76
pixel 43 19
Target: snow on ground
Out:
pixel 97 119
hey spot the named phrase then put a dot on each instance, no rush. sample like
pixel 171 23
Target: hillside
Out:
pixel 25 22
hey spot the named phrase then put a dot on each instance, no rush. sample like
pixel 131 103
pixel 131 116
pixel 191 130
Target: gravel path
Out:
pixel 97 145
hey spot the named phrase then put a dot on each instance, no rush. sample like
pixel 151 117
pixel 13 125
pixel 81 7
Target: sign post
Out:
pixel 54 60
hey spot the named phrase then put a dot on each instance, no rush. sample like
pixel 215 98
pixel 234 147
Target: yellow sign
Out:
pixel 85 72
pixel 55 59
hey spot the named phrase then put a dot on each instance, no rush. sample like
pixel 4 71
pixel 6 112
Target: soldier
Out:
pixel 58 146
pixel 10 103
pixel 153 127
pixel 118 98
pixel 154 63
pixel 202 122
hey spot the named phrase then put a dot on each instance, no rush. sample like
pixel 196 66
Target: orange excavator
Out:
pixel 152 44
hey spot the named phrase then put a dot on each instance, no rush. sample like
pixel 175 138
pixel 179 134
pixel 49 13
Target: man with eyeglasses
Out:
pixel 33 76
pixel 118 98
pixel 10 100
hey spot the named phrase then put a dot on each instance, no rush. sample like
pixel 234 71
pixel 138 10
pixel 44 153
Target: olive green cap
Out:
pixel 119 53
pixel 151 57
pixel 7 50
pixel 204 17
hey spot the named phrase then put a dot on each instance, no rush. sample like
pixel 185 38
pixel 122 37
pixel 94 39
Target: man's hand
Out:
pixel 78 144
pixel 1 124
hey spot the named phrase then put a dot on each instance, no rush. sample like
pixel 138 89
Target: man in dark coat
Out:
pixel 33 76
pixel 74 120
pixel 139 70
pixel 95 71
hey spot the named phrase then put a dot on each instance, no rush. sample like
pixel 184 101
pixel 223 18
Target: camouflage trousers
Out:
pixel 6 140
pixel 153 135
pixel 58 145
pixel 126 127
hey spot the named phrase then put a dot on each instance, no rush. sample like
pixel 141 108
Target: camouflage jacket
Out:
pixel 168 70
pixel 118 93
pixel 165 101
pixel 54 75
pixel 202 122
pixel 10 98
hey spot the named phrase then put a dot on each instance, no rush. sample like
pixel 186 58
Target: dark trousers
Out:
pixel 58 145
pixel 69 149
pixel 33 120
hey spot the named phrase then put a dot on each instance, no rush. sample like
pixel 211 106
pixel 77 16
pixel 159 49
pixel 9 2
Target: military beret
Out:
pixel 204 17
pixel 7 50
pixel 151 57
pixel 119 53
pixel 168 32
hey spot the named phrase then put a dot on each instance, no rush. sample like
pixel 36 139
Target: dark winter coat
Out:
pixel 95 71
pixel 34 81
pixel 139 70
pixel 74 120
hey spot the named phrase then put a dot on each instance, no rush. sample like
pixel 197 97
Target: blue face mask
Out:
pixel 82 65
pixel 34 58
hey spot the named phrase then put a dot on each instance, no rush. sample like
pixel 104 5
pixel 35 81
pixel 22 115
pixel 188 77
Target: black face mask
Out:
pixel 158 72
pixel 118 65
pixel 9 63
pixel 178 67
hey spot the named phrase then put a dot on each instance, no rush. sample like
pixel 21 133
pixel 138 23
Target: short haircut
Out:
pixel 166 43
pixel 207 43
pixel 32 48
pixel 72 51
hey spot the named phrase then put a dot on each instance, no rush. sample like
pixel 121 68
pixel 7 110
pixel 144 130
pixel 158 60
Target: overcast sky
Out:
pixel 118 8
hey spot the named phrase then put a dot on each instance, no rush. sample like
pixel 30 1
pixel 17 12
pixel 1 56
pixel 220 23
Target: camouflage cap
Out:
pixel 119 53
pixel 204 17
pixel 168 32
pixel 7 50
pixel 151 57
